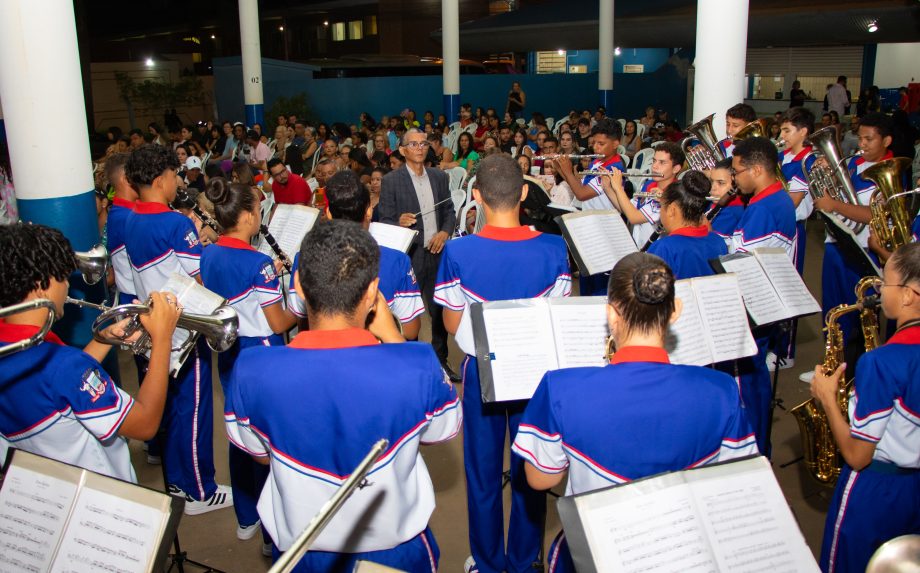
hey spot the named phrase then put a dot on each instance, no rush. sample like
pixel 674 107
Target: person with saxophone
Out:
pixel 160 242
pixel 877 496
pixel 311 409
pixel 636 417
pixel 589 189
pixel 838 275
pixel 643 213
pixel 768 221
pixel 689 244
pixel 58 401
pixel 249 280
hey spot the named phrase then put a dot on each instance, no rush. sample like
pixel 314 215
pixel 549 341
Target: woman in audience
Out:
pixel 396 160
pixel 559 191
pixel 482 129
pixel 381 142
pixel 520 147
pixel 374 187
pixel 649 119
pixel 489 142
pixel 466 156
pixel 567 144
pixel 442 153
pixel 631 140
pixel 156 132
pixel 322 133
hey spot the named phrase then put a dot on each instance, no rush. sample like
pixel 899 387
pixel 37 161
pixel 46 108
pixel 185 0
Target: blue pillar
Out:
pixel 41 88
pixel 605 98
pixel 252 62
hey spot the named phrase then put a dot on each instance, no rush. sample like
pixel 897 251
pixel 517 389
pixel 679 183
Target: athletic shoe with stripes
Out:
pixel 245 532
pixel 221 498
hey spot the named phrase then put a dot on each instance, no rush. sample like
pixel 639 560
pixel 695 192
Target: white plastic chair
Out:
pixel 452 140
pixel 480 218
pixel 643 159
pixel 550 123
pixel 457 193
pixel 622 123
pixel 520 121
pixel 916 167
pixel 454 126
pixel 640 129
pixel 656 144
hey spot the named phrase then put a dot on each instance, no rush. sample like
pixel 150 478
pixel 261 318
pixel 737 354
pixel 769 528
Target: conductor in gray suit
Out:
pixel 418 197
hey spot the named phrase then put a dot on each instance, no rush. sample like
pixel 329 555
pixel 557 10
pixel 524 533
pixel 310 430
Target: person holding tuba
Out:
pixel 877 496
pixel 58 401
pixel 629 420
pixel 736 117
pixel 839 276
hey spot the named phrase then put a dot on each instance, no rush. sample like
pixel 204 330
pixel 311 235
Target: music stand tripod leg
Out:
pixel 782 329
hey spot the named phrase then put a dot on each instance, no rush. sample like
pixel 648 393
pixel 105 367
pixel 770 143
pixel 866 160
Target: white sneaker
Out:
pixel 174 490
pixel 245 532
pixel 807 377
pixel 267 549
pixel 469 566
pixel 220 499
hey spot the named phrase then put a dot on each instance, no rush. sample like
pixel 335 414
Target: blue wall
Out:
pixel 651 58
pixel 343 99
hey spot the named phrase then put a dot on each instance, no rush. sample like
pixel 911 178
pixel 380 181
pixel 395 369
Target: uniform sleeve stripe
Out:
pixel 862 436
pixel 120 421
pixel 530 457
pixel 541 434
pixel 447 303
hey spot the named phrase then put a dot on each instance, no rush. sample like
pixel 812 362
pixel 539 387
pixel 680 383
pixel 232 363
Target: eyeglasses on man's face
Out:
pixel 736 172
pixel 417 145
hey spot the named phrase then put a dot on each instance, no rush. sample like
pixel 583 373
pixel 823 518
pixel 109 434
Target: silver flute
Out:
pixel 626 173
pixel 569 155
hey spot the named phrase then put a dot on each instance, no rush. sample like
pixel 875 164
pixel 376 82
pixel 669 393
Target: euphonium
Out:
pixel 707 154
pixel 833 180
pixel 36 338
pixel 822 456
pixel 890 219
pixel 760 128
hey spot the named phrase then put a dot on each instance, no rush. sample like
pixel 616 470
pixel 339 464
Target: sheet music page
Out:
pixel 790 286
pixel 522 347
pixel 33 512
pixel 760 298
pixel 289 225
pixel 580 330
pixel 748 521
pixel 724 318
pixel 657 531
pixel 392 236
pixel 686 341
pixel 109 533
pixel 600 237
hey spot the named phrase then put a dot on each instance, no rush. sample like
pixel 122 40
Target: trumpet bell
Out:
pixel 93 264
pixel 219 329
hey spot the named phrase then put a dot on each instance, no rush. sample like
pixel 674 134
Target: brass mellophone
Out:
pixel 569 155
pixel 626 173
pixel 36 338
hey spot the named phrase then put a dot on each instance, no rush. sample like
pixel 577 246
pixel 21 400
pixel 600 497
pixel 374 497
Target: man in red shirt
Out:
pixel 289 188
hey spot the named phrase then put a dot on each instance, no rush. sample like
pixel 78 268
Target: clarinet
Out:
pixel 659 229
pixel 725 200
pixel 285 261
pixel 185 200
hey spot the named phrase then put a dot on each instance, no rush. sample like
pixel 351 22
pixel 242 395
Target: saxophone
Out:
pixel 822 457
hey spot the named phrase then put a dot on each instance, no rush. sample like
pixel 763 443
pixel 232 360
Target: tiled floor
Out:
pixel 211 538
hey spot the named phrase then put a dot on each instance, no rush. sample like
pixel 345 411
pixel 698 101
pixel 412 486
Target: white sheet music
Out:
pixel 790 286
pixel 760 298
pixel 749 524
pixel 657 532
pixel 580 330
pixel 521 343
pixel 289 225
pixel 600 237
pixel 109 533
pixel 33 513
pixel 686 341
pixel 725 321
pixel 392 236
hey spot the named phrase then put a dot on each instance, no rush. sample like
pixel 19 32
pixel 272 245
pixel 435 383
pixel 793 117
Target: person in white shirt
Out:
pixel 259 153
pixel 837 98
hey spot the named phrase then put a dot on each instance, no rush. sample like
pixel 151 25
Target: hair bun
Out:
pixel 217 191
pixel 651 284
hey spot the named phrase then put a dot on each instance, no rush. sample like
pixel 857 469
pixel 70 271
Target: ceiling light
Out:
pixel 616 51
pixel 560 52
pixel 213 37
pixel 325 22
pixel 873 26
pixel 149 62
pixel 281 28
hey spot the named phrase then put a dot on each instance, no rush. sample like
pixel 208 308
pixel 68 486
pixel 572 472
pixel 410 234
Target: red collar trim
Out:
pixel 507 233
pixel 801 154
pixel 612 160
pixel 907 336
pixel 651 185
pixel 232 243
pixel 331 339
pixel 700 231
pixel 148 208
pixel 119 202
pixel 764 193
pixel 888 155
pixel 16 332
pixel 640 354
pixel 736 202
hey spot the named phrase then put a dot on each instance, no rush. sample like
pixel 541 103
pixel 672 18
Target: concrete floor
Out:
pixel 211 538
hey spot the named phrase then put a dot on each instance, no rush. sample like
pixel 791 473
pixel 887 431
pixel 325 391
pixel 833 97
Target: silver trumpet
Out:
pixel 35 339
pixel 219 329
pixel 93 264
pixel 569 155
pixel 626 173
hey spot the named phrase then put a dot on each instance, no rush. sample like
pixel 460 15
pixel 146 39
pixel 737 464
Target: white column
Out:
pixel 605 54
pixel 721 50
pixel 252 61
pixel 450 38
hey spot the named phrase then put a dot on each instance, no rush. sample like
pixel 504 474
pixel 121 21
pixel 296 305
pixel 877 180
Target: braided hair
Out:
pixel 30 257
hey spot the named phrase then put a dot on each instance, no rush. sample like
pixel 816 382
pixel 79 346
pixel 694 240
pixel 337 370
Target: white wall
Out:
pixel 897 65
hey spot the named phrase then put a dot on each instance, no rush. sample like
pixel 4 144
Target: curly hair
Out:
pixel 148 162
pixel 30 256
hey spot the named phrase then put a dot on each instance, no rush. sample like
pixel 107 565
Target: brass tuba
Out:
pixel 822 456
pixel 761 128
pixel 890 218
pixel 833 180
pixel 706 155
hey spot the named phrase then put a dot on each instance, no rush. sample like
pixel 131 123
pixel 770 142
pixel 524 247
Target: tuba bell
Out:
pixel 760 128
pixel 93 264
pixel 707 154
pixel 891 221
pixel 36 338
pixel 833 180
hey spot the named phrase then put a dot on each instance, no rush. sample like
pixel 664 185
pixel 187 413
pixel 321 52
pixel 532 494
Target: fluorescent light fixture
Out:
pixel 617 51
pixel 149 62
pixel 873 26
pixel 281 28
pixel 560 52
pixel 213 37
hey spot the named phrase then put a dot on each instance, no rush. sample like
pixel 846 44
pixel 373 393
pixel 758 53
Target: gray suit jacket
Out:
pixel 397 196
